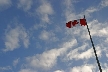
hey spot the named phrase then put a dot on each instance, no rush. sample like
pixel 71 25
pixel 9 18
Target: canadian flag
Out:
pixel 79 21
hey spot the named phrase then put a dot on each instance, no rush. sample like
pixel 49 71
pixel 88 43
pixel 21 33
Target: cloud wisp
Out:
pixel 13 36
pixel 48 59
pixel 5 68
pixel 4 4
pixel 44 10
pixel 48 36
pixel 15 62
pixel 25 4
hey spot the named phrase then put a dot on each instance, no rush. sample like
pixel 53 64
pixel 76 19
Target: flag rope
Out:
pixel 94 50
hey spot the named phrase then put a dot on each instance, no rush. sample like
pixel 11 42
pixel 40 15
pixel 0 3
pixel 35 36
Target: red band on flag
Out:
pixel 83 22
pixel 69 24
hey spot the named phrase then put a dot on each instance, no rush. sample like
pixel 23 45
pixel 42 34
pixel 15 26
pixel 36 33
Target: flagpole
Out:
pixel 94 48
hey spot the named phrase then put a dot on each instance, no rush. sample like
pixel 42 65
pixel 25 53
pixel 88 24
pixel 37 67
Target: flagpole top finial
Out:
pixel 84 16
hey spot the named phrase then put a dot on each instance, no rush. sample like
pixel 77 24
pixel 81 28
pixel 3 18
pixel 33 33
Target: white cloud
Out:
pixel 5 4
pixel 106 40
pixel 44 35
pixel 105 68
pixel 25 37
pixel 98 29
pixel 48 35
pixel 59 71
pixel 75 54
pixel 5 68
pixel 90 53
pixel 44 10
pixel 106 50
pixel 104 3
pixel 25 4
pixel 70 14
pixel 69 43
pixel 45 60
pixel 69 10
pixel 82 53
pixel 83 68
pixel 87 54
pixel 15 62
pixel 48 59
pixel 27 70
pixel 89 11
pixel 14 36
pixel 12 40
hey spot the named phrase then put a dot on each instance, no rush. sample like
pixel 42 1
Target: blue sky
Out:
pixel 34 36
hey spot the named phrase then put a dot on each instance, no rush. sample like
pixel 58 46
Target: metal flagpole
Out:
pixel 94 48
